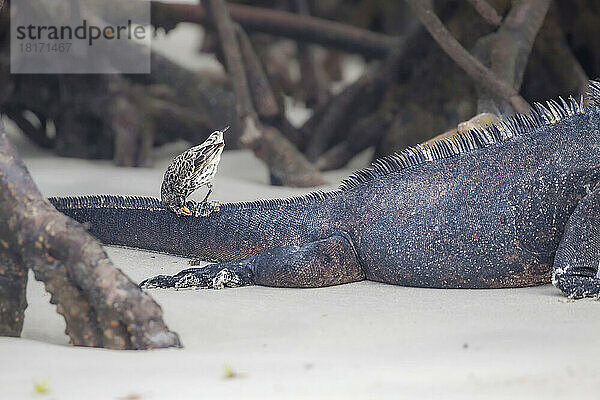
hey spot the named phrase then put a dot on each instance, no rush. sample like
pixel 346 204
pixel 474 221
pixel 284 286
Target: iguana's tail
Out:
pixel 237 230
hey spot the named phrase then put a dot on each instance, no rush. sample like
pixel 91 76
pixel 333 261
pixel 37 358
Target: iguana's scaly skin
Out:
pixel 497 207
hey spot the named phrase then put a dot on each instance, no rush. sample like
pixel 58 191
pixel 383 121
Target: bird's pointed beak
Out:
pixel 225 129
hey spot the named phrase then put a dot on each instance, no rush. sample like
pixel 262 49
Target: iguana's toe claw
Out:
pixel 192 281
pixel 209 277
pixel 226 278
pixel 209 208
pixel 204 209
pixel 159 281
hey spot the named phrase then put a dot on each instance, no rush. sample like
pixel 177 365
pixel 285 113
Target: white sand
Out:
pixel 363 340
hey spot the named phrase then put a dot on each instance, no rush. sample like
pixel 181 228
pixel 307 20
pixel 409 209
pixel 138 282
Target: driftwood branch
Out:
pixel 286 164
pixel 475 69
pixel 281 23
pixel 480 120
pixel 101 306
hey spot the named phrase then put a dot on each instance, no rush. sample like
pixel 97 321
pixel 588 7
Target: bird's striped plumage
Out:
pixel 189 171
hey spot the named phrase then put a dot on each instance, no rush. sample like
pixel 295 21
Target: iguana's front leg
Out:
pixel 325 262
pixel 577 256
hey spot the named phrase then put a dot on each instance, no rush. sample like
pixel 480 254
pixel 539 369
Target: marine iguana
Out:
pixel 509 205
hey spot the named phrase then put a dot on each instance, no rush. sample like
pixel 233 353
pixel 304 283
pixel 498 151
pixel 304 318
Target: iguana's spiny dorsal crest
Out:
pixel 478 138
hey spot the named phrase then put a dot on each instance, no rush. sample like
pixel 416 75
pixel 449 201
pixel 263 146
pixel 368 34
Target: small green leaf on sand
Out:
pixel 41 387
pixel 229 373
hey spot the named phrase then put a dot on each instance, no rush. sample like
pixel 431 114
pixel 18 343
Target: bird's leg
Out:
pixel 202 209
pixel 208 207
pixel 210 187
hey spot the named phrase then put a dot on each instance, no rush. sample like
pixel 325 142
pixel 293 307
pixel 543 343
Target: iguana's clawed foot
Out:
pixel 577 287
pixel 191 208
pixel 159 281
pixel 203 209
pixel 209 208
pixel 213 276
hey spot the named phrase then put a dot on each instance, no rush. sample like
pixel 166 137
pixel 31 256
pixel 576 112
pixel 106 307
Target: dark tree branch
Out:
pixel 268 108
pixel 77 104
pixel 286 164
pixel 13 285
pixel 515 39
pixel 191 93
pixel 487 12
pixel 363 134
pixel 235 66
pixel 101 306
pixel 312 78
pixel 300 28
pixel 511 44
pixel 326 122
pixel 552 48
pixel 132 126
pixel 339 112
pixel 36 134
pixel 260 89
pixel 475 69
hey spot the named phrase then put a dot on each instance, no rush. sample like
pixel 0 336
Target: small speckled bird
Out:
pixel 190 171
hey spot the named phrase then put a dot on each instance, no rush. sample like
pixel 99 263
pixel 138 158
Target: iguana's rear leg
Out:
pixel 577 256
pixel 325 262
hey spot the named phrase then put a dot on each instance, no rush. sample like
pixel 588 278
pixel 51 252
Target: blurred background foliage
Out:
pixel 287 87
